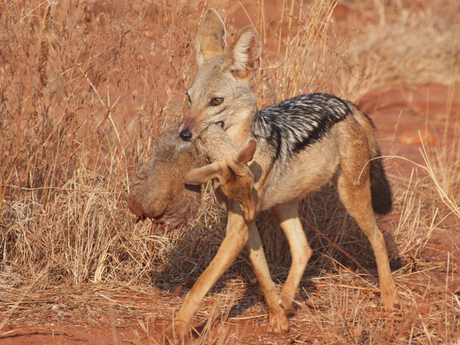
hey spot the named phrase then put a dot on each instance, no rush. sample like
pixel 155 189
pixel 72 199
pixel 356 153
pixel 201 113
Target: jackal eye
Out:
pixel 216 101
pixel 189 99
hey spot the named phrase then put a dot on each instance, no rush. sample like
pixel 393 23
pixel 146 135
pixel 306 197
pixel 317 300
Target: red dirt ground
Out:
pixel 400 114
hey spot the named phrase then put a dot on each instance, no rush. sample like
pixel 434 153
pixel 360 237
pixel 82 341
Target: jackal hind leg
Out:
pixel 357 200
pixel 288 218
pixel 278 322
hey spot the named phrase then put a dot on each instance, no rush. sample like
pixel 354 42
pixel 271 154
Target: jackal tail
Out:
pixel 380 187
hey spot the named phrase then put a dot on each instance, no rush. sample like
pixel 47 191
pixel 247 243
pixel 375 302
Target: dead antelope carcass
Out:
pixel 159 191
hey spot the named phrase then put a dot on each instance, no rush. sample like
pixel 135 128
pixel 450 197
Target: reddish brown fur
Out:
pixel 175 202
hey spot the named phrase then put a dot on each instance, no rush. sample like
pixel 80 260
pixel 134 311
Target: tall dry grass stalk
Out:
pixel 301 63
pixel 407 43
pixel 85 87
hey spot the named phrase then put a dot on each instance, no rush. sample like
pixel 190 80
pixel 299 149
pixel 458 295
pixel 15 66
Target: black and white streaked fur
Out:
pixel 290 126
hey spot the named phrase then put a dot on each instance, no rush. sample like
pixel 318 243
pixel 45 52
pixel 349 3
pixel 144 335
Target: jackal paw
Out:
pixel 391 300
pixel 278 322
pixel 178 333
pixel 288 305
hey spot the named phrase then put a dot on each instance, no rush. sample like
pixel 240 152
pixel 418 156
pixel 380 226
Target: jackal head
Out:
pixel 222 91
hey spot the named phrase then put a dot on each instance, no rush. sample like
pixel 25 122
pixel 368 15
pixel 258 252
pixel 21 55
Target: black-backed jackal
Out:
pixel 302 144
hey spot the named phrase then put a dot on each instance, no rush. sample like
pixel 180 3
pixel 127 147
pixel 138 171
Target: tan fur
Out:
pixel 340 157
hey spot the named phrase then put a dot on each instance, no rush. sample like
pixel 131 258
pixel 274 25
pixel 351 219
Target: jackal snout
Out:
pixel 190 129
pixel 185 134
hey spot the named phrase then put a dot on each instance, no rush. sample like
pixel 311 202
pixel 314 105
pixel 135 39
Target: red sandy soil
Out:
pixel 402 113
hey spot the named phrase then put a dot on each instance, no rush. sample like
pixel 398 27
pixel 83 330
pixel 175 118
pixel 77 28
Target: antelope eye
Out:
pixel 216 101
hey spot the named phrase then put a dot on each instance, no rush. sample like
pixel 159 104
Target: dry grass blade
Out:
pixel 449 201
pixel 35 330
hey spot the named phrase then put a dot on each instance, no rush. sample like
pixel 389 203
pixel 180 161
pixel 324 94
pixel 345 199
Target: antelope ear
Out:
pixel 246 153
pixel 210 37
pixel 243 57
pixel 204 174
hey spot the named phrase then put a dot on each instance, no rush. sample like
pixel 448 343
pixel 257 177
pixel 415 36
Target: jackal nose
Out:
pixel 185 134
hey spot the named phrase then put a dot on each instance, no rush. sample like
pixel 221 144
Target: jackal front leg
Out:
pixel 234 241
pixel 288 218
pixel 278 322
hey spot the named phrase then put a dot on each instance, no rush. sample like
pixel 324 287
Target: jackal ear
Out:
pixel 210 37
pixel 243 57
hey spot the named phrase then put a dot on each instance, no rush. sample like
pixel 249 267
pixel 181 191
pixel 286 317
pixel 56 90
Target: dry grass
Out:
pixel 404 42
pixel 85 88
